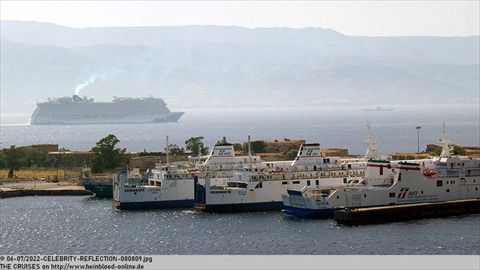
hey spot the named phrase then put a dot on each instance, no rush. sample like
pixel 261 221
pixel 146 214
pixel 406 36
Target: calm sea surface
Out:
pixel 343 127
pixel 82 225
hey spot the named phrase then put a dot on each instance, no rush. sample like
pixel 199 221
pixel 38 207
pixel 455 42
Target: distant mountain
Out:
pixel 223 66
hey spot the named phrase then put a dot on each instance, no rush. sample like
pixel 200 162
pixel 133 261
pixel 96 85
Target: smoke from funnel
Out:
pixel 89 81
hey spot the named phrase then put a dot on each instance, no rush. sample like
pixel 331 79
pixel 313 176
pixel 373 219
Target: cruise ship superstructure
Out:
pixel 77 110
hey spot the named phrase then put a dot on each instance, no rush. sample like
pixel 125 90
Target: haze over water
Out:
pixel 342 127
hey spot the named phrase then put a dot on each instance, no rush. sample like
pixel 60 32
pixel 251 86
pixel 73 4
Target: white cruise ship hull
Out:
pixel 59 120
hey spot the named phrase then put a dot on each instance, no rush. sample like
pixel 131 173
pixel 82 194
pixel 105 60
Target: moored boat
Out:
pixel 260 189
pixel 443 178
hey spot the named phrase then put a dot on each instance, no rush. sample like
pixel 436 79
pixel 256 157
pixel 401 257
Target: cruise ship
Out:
pixel 78 110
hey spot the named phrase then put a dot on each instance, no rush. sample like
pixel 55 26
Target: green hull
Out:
pixel 104 190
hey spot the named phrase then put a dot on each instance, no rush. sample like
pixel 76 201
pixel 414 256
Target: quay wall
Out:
pixel 393 213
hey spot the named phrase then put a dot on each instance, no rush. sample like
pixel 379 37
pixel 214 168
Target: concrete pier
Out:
pixel 29 188
pixel 392 213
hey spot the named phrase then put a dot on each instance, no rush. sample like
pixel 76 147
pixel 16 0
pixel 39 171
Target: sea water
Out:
pixel 342 127
pixel 83 225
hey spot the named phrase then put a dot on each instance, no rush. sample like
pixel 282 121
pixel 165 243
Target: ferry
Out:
pixel 260 189
pixel 101 184
pixel 443 178
pixel 378 109
pixel 167 188
pixel 172 186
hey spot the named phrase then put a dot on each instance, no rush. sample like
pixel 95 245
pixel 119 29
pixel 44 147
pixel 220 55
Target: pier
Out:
pixel 393 213
pixel 28 188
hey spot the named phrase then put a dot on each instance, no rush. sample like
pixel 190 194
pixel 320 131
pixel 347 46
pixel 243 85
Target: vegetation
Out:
pixel 106 156
pixel 291 154
pixel 458 150
pixel 175 150
pixel 222 141
pixel 257 146
pixel 239 147
pixel 14 159
pixel 195 146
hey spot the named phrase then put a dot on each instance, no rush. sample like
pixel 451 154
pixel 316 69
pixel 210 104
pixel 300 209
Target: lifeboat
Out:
pixel 429 172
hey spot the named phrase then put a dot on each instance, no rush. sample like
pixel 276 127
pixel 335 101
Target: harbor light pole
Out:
pixel 418 139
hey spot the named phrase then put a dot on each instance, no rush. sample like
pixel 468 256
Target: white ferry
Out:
pixel 260 189
pixel 444 178
pixel 172 186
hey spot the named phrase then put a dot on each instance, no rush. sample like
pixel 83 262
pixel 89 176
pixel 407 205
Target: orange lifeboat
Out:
pixel 429 172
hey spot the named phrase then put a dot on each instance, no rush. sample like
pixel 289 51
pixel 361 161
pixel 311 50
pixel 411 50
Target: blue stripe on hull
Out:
pixel 239 207
pixel 154 204
pixel 308 213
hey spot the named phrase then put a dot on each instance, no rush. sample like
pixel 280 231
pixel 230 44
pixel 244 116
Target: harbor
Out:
pixel 82 225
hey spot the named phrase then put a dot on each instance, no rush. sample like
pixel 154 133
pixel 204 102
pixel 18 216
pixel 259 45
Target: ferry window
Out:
pixel 439 183
pixel 344 180
pixel 447 182
pixel 308 183
pixel 338 197
pixel 421 192
pixel 317 182
pixel 381 170
pixel 296 182
pixel 476 188
pixel 392 194
pixel 364 195
pixel 448 190
pixel 284 182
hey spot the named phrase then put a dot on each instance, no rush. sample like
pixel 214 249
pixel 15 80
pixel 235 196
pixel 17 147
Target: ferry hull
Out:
pixel 153 204
pixel 239 207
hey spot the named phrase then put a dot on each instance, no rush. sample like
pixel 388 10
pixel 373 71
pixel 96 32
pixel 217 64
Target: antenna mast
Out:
pixel 371 144
pixel 168 151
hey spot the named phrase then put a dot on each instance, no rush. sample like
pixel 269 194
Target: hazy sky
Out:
pixel 447 18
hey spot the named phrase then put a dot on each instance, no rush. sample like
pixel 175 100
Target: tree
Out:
pixel 222 141
pixel 458 150
pixel 257 146
pixel 106 156
pixel 175 150
pixel 292 154
pixel 36 157
pixel 14 159
pixel 196 146
pixel 237 147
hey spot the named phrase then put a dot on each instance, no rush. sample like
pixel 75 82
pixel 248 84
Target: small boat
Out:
pixel 101 185
pixel 378 109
